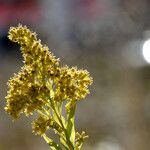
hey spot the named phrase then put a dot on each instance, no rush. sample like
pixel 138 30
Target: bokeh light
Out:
pixel 146 50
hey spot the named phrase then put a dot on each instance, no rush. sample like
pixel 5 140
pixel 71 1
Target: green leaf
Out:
pixel 53 145
pixel 70 124
pixel 55 117
pixel 63 142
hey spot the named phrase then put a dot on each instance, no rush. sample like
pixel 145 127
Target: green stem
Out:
pixel 47 139
pixel 70 145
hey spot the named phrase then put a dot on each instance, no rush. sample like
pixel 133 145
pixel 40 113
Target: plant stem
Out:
pixel 70 145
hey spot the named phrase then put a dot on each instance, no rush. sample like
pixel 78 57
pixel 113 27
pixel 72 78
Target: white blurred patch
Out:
pixel 111 144
pixel 132 54
pixel 146 50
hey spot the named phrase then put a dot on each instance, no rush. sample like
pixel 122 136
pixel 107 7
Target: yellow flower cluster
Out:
pixel 41 77
pixel 42 124
pixel 24 94
pixel 72 84
pixel 80 139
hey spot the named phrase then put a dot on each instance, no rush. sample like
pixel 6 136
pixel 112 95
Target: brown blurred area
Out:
pixel 106 38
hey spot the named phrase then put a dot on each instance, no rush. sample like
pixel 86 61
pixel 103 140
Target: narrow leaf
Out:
pixel 70 124
pixel 53 145
pixel 63 142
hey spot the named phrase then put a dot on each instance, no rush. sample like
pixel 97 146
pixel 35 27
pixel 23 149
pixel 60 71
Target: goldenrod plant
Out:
pixel 44 87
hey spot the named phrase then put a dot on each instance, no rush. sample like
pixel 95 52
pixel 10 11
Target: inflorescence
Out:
pixel 43 86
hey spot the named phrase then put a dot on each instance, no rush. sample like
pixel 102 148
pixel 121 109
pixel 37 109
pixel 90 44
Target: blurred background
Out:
pixel 109 38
